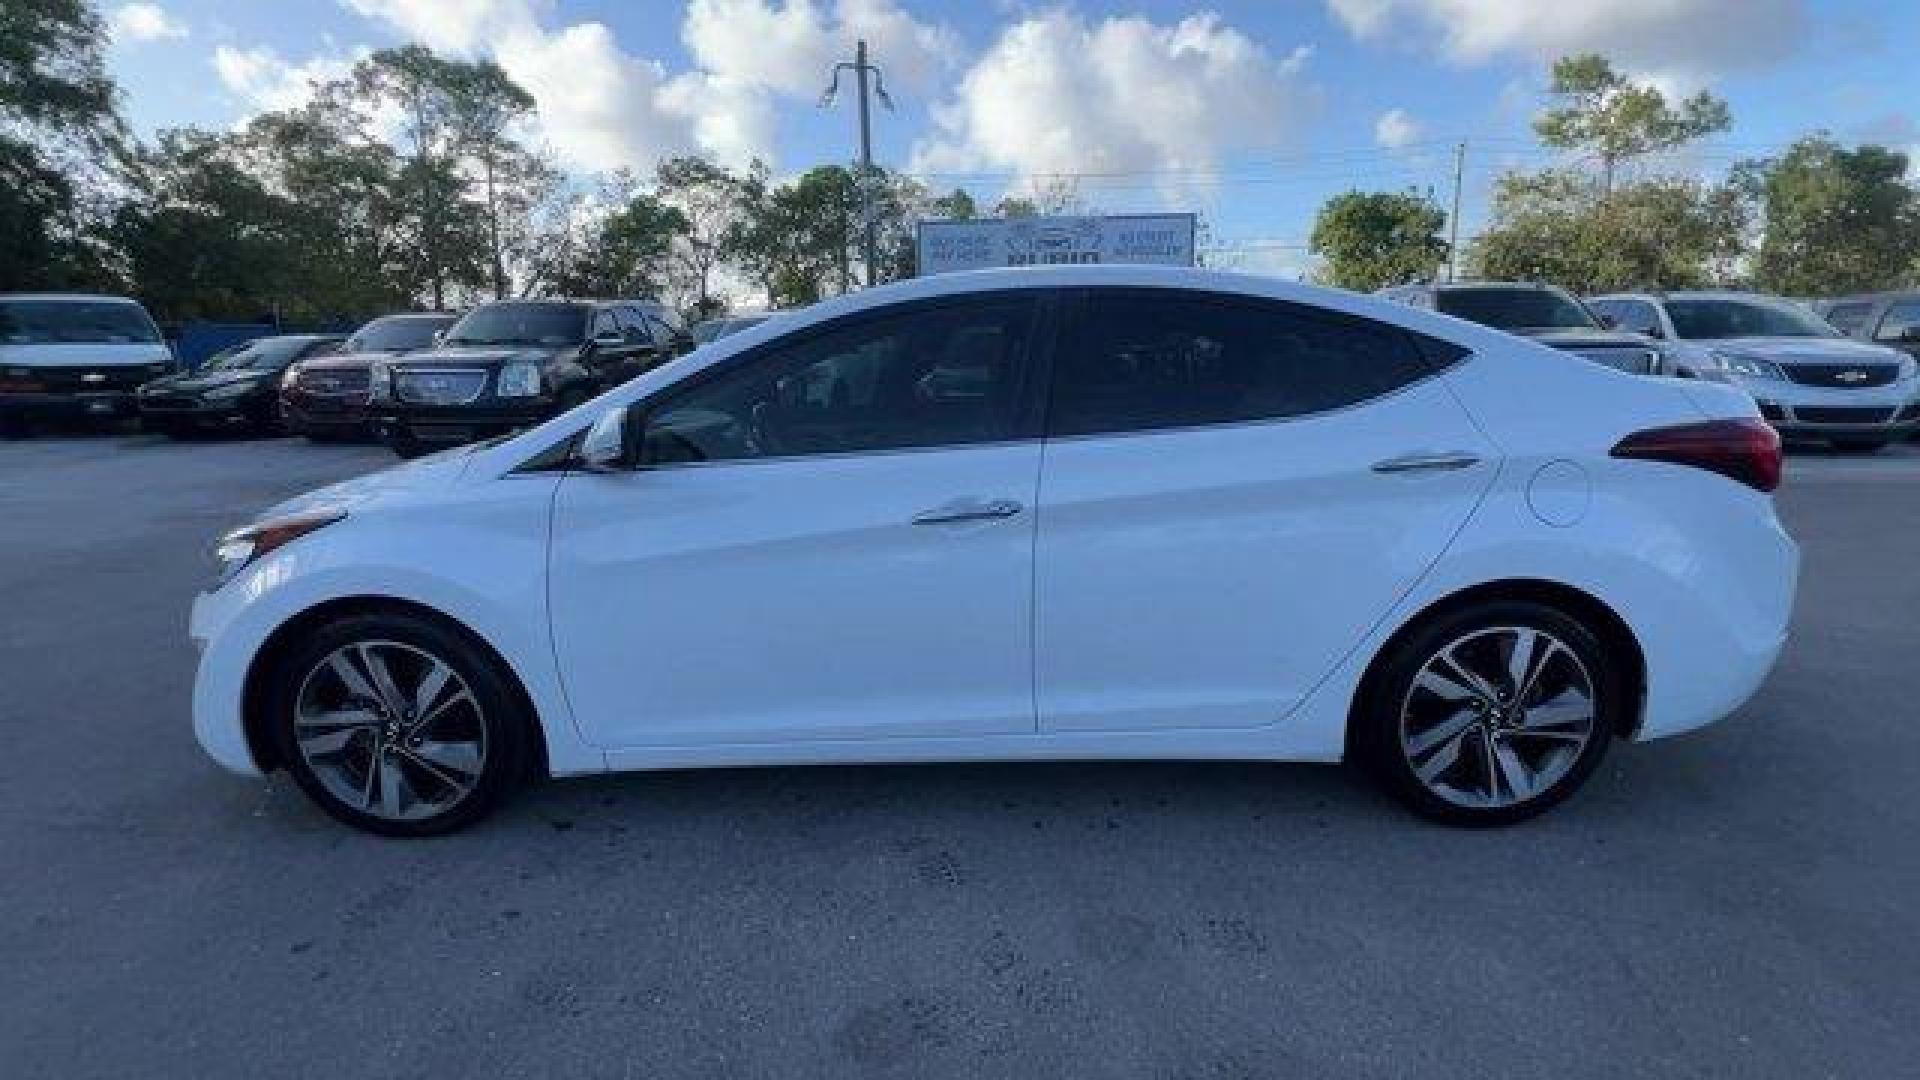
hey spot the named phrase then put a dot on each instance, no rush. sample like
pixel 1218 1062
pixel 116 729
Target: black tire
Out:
pixel 406 446
pixel 1389 701
pixel 498 715
pixel 1868 445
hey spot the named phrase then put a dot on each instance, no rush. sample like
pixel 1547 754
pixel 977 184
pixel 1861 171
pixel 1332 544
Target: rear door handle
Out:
pixel 968 510
pixel 1438 462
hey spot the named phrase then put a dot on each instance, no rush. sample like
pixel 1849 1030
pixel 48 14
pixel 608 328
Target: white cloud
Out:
pixel 602 107
pixel 1684 41
pixel 1395 129
pixel 264 81
pixel 134 23
pixel 1057 94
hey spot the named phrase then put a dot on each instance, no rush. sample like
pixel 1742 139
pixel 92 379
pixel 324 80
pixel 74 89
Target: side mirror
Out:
pixel 611 444
pixel 439 338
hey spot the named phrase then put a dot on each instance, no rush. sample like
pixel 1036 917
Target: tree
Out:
pixel 1833 220
pixel 1615 119
pixel 1369 239
pixel 482 103
pixel 708 199
pixel 63 145
pixel 1562 227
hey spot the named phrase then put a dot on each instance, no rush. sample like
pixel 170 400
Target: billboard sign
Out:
pixel 1159 239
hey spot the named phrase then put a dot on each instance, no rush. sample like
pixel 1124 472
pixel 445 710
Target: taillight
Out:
pixel 1744 448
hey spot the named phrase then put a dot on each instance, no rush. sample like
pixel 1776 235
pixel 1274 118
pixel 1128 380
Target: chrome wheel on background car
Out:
pixel 1488 715
pixel 399 722
pixel 1497 717
pixel 390 730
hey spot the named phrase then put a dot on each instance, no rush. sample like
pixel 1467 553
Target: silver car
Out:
pixel 1809 379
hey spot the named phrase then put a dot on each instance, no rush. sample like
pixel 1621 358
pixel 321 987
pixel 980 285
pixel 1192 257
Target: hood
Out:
pixel 1809 350
pixel 82 353
pixel 430 473
pixel 479 357
pixel 1561 337
pixel 195 382
pixel 356 361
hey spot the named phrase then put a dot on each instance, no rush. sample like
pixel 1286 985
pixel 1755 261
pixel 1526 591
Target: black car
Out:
pixel 1544 313
pixel 512 364
pixel 238 389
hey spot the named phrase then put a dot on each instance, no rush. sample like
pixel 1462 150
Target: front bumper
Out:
pixel 304 413
pixel 106 404
pixel 460 423
pixel 199 412
pixel 1887 411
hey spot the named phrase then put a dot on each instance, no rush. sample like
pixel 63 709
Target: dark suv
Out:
pixel 513 363
pixel 1544 313
pixel 325 397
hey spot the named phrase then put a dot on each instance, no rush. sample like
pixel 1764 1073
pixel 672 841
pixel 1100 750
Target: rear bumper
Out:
pixel 103 405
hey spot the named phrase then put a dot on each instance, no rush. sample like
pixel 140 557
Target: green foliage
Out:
pixel 1834 220
pixel 1564 228
pixel 1615 119
pixel 1369 239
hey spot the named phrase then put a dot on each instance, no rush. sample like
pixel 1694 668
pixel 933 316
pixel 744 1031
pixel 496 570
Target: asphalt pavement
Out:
pixel 1739 902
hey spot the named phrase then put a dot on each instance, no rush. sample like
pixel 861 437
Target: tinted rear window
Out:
pixel 1515 309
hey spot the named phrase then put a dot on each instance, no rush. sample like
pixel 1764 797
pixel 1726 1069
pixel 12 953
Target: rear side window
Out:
pixel 1141 362
pixel 1848 318
pixel 1901 322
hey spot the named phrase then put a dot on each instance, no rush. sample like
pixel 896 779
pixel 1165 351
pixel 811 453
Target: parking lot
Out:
pixel 1734 903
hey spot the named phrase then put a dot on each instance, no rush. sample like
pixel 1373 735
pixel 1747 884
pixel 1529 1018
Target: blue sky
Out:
pixel 1251 112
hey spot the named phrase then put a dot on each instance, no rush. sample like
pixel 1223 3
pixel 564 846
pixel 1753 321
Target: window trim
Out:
pixel 1437 355
pixel 1039 349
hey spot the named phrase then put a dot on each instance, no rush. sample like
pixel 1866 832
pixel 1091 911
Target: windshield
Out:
pixel 260 354
pixel 401 333
pixel 1708 318
pixel 1516 309
pixel 521 324
pixel 38 321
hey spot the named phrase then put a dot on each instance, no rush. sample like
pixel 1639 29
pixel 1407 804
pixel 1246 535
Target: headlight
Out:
pixel 380 380
pixel 518 379
pixel 290 376
pixel 239 548
pixel 230 390
pixel 1743 364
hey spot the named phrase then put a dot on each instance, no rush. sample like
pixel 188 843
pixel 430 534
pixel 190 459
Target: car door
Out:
pixel 834 541
pixel 1234 491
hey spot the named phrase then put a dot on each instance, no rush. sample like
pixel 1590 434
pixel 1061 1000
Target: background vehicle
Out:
pixel 238 389
pixel 1809 379
pixel 1271 522
pixel 715 329
pixel 68 355
pixel 512 364
pixel 325 396
pixel 1891 319
pixel 1544 313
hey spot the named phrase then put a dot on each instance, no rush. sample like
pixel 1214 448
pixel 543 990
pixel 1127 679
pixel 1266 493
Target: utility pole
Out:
pixel 862 70
pixel 1453 220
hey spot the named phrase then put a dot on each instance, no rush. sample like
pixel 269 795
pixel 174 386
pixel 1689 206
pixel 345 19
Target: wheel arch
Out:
pixel 1606 623
pixel 253 698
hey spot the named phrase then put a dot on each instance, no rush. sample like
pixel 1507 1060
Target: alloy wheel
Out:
pixel 1497 717
pixel 390 730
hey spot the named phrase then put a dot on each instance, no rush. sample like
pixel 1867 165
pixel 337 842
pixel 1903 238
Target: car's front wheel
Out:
pixel 1492 714
pixel 398 724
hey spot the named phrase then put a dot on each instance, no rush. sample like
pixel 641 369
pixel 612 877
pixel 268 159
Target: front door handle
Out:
pixel 968 510
pixel 1440 462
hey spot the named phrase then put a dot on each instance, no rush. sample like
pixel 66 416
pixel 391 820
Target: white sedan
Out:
pixel 1079 512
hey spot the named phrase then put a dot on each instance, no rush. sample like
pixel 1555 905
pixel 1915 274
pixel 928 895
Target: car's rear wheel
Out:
pixel 398 724
pixel 1492 714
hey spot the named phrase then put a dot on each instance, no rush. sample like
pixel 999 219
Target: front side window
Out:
pixel 1901 322
pixel 936 376
pixel 1142 362
pixel 1712 317
pixel 49 321
pixel 524 325
pixel 1847 318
